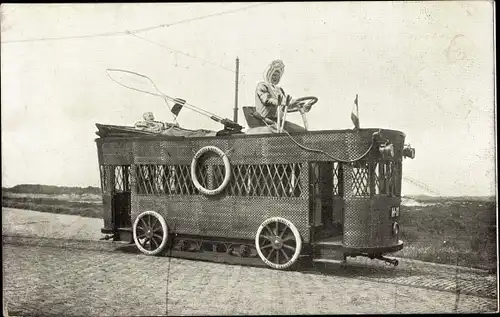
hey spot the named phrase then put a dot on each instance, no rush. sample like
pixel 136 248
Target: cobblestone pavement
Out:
pixel 67 277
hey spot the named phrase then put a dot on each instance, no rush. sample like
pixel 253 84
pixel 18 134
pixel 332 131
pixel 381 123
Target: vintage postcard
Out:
pixel 260 158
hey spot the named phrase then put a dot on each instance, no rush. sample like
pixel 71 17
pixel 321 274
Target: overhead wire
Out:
pixel 180 52
pixel 422 185
pixel 117 33
pixel 65 37
pixel 135 31
pixel 201 17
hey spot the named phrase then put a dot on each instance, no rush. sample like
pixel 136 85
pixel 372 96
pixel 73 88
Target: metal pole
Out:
pixel 236 91
pixel 357 111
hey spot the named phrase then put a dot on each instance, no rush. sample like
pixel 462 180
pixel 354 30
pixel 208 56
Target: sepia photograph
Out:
pixel 249 158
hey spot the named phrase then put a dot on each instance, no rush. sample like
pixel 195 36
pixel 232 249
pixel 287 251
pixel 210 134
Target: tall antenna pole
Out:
pixel 236 90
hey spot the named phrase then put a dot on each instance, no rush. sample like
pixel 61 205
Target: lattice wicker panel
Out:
pixel 210 176
pixel 387 177
pixel 271 180
pixel 122 179
pixel 268 180
pixel 360 179
pixel 314 179
pixel 337 182
pixel 338 185
pixel 155 179
pixel 373 178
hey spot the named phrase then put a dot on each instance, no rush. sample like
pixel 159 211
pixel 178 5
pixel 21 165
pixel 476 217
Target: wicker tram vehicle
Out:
pixel 271 197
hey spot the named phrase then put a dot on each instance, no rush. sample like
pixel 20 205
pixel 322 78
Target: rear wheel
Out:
pixel 278 243
pixel 150 232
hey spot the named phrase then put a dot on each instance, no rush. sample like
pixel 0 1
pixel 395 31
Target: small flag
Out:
pixel 355 115
pixel 177 106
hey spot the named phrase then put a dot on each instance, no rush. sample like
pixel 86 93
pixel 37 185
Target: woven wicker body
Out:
pixel 327 183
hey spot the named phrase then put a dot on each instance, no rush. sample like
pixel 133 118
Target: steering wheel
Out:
pixel 302 104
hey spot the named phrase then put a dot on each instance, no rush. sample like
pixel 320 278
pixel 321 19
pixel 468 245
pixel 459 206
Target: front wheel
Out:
pixel 278 243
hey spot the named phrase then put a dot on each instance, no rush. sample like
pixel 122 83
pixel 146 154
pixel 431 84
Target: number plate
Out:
pixel 395 211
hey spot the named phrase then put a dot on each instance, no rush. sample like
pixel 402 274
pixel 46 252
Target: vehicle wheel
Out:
pixel 244 251
pixel 183 245
pixel 150 232
pixel 278 243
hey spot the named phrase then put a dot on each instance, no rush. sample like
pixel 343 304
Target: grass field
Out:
pixel 85 205
pixel 459 231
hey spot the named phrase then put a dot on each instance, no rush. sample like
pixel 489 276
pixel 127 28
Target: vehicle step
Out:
pixel 334 245
pixel 129 229
pixel 330 242
pixel 329 261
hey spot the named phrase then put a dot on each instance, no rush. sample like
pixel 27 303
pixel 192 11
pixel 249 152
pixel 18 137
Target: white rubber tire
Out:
pixel 227 167
pixel 297 237
pixel 164 229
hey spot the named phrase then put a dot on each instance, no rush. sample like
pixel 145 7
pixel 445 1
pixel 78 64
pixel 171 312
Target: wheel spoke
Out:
pixel 151 242
pixel 157 242
pixel 269 230
pixel 266 237
pixel 266 246
pixel 146 242
pixel 289 247
pixel 277 257
pixel 141 236
pixel 140 228
pixel 269 255
pixel 158 229
pixel 145 225
pixel 153 226
pixel 289 237
pixel 286 256
pixel 277 228
pixel 158 236
pixel 281 235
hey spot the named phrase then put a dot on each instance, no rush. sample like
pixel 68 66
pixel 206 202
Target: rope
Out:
pixel 329 155
pixel 323 152
pixel 161 94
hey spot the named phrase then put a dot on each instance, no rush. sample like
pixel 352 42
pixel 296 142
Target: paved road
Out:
pixel 70 277
pixel 50 280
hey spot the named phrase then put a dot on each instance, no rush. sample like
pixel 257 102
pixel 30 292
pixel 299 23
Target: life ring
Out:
pixel 227 167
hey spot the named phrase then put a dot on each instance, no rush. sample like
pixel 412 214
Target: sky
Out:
pixel 424 68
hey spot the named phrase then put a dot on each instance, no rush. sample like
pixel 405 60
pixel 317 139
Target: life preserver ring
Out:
pixel 227 167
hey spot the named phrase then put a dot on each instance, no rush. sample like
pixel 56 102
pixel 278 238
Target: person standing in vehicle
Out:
pixel 268 95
